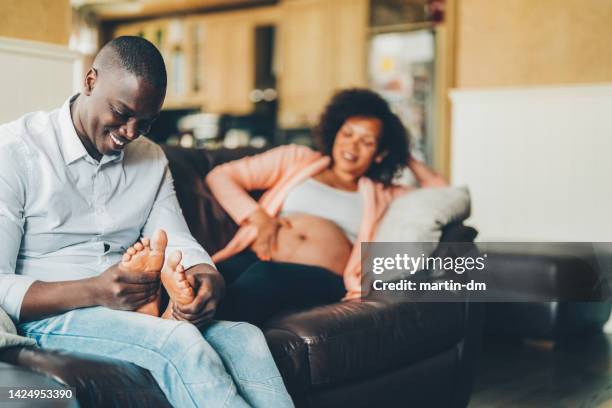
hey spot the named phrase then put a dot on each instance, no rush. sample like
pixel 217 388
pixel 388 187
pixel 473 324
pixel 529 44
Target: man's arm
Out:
pixel 24 298
pixel 13 178
pixel 113 288
pixel 199 267
pixel 166 214
pixel 45 299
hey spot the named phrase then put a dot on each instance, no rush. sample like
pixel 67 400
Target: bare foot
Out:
pixel 146 256
pixel 176 284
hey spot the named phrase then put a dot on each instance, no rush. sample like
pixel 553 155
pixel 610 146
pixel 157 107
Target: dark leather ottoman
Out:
pixel 565 283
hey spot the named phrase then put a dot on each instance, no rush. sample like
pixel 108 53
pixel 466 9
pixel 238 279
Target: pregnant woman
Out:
pixel 299 245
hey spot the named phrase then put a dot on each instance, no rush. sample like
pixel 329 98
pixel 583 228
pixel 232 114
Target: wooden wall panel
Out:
pixel 527 42
pixel 36 20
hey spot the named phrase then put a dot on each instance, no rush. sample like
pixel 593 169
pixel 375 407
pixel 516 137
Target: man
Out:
pixel 77 188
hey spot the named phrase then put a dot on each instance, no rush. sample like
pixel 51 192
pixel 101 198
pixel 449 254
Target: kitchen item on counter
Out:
pixel 203 126
pixel 235 138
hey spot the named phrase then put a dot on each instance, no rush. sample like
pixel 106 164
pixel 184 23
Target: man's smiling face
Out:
pixel 119 107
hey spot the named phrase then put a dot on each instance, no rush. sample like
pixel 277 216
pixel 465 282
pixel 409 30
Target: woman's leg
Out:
pixel 233 267
pixel 268 287
pixel 186 367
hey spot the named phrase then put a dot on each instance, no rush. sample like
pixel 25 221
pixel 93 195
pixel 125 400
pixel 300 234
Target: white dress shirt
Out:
pixel 65 216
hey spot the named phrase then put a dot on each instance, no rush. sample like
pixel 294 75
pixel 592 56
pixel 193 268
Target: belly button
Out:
pixel 302 237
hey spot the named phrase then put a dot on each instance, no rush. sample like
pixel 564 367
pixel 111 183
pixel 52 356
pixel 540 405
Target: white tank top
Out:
pixel 344 208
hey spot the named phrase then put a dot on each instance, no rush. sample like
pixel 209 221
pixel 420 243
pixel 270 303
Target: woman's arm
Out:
pixel 231 182
pixel 425 176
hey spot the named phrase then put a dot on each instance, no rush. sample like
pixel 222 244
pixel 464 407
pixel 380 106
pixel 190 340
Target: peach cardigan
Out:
pixel 278 171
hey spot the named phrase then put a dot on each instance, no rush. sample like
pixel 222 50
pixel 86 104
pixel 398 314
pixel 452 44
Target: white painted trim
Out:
pixel 37 49
pixel 477 94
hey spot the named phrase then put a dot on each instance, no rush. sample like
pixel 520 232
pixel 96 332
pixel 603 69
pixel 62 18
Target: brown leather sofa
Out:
pixel 366 353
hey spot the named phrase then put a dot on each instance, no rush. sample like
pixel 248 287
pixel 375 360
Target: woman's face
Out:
pixel 356 144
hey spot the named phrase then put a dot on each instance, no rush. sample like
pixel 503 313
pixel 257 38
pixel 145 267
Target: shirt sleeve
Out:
pixel 166 214
pixel 13 287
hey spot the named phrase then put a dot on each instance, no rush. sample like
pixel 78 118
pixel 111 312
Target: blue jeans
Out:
pixel 227 364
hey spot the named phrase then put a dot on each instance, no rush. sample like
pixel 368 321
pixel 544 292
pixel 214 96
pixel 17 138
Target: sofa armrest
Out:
pixel 458 232
pixel 99 382
pixel 358 339
pixel 19 378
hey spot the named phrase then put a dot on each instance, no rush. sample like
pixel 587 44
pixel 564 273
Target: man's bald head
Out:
pixel 123 94
pixel 136 56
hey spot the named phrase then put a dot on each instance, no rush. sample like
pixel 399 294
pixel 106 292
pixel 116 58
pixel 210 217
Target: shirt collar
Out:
pixel 71 145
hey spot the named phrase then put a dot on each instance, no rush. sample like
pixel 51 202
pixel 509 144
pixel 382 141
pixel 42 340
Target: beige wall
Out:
pixel 36 20
pixel 533 42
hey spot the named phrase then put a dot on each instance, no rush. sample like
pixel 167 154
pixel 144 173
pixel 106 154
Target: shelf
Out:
pixel 174 103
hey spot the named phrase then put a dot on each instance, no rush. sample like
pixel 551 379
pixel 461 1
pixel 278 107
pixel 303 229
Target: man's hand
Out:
pixel 209 287
pixel 122 290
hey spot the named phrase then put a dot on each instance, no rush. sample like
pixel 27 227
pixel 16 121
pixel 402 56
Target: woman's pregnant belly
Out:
pixel 313 240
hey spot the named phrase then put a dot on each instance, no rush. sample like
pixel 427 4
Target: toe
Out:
pixel 145 241
pixel 131 251
pixel 126 257
pixel 174 259
pixel 138 246
pixel 159 241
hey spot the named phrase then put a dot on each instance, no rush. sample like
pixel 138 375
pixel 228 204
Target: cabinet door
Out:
pixel 350 33
pixel 322 49
pixel 228 65
pixel 136 29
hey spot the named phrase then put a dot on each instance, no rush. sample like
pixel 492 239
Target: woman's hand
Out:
pixel 425 176
pixel 267 233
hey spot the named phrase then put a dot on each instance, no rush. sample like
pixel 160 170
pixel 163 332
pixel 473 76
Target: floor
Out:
pixel 573 374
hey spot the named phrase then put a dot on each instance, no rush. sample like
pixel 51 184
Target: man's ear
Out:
pixel 90 81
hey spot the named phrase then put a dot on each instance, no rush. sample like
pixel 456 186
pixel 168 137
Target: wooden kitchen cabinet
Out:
pixel 229 58
pixel 323 49
pixel 228 68
pixel 210 57
pixel 321 46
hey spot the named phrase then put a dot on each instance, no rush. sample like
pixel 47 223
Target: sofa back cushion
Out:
pixel 208 222
pixel 422 214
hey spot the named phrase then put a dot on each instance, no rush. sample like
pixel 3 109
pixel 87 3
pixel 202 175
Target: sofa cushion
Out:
pixel 358 339
pixel 8 333
pixel 420 215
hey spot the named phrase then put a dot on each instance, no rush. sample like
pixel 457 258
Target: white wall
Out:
pixel 538 161
pixel 34 76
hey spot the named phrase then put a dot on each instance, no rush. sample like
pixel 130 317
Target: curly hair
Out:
pixel 365 103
